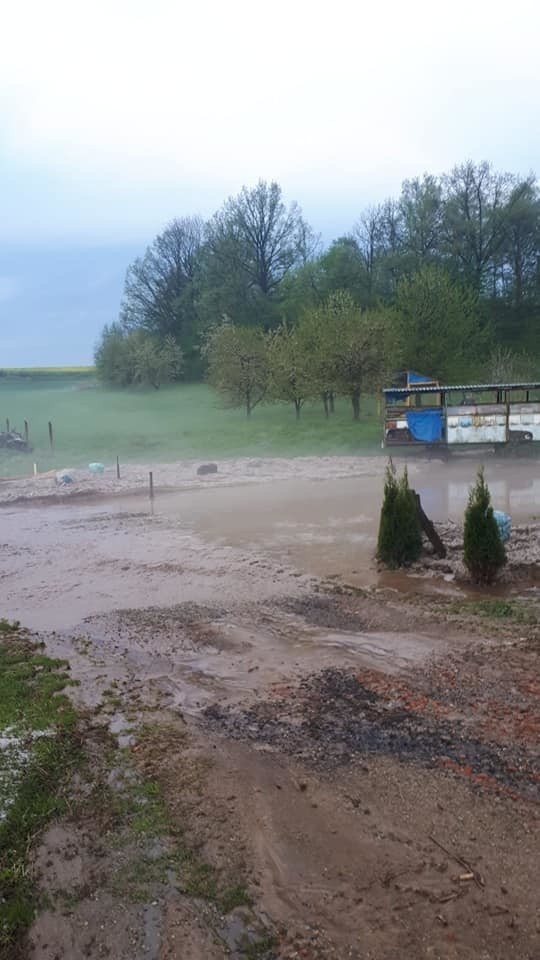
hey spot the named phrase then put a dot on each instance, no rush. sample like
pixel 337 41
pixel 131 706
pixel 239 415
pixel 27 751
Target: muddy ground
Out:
pixel 346 762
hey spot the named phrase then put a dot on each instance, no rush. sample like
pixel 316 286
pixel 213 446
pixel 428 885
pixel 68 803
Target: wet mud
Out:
pixel 310 722
pixel 336 717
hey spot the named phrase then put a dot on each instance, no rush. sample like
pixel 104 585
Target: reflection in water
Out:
pixel 329 527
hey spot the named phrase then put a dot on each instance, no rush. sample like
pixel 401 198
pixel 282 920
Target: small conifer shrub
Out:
pixel 483 549
pixel 400 538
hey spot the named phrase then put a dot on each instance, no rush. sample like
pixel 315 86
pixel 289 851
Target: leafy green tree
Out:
pixel 238 364
pixel 159 292
pixel 439 324
pixel 317 336
pixel 421 214
pixel 477 204
pixel 369 235
pixel 351 350
pixel 153 361
pixel 252 245
pixel 400 539
pixel 514 299
pixel 112 357
pixel 342 267
pixel 483 549
pixel 365 355
pixel 301 291
pixel 361 347
pixel 127 357
pixel 505 365
pixel 290 369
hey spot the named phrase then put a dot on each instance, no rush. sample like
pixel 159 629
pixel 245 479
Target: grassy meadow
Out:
pixel 150 426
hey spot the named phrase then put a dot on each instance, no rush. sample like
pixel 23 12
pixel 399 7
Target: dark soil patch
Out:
pixel 328 612
pixel 333 717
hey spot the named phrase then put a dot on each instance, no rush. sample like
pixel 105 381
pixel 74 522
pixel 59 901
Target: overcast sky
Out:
pixel 116 116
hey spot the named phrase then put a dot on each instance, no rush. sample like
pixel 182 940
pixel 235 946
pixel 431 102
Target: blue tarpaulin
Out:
pixel 412 379
pixel 425 425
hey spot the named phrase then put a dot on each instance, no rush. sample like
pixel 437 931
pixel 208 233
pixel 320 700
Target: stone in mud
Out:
pixel 206 468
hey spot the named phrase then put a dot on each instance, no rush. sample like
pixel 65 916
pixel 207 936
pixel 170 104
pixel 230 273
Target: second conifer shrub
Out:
pixel 400 538
pixel 483 549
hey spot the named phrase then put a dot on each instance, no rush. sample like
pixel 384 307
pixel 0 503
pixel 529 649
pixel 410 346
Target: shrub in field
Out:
pixel 483 549
pixel 400 539
pixel 127 357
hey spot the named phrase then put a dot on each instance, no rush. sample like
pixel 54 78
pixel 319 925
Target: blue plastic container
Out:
pixel 504 523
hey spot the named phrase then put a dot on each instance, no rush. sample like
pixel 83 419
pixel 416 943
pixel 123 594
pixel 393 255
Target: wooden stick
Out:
pixel 51 435
pixel 151 478
pixel 117 469
pixel 26 431
pixel 478 878
pixel 429 529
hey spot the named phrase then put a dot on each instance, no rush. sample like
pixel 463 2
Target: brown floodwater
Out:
pixel 329 527
pixel 65 561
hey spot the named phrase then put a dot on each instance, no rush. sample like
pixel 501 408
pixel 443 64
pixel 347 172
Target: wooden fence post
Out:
pixel 51 443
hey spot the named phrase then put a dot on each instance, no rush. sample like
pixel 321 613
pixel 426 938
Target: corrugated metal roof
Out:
pixel 463 387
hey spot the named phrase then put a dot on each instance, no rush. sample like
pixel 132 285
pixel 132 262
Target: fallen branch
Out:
pixel 429 529
pixel 478 878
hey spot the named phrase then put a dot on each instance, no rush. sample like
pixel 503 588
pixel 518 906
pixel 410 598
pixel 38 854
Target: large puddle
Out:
pixel 329 527
pixel 62 562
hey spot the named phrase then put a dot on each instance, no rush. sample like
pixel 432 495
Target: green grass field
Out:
pixel 176 422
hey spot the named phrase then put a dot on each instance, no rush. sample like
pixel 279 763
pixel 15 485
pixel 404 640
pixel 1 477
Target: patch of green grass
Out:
pixel 197 878
pixel 496 609
pixel 233 897
pixel 261 949
pixel 176 422
pixel 30 701
pixel 139 814
pixel 28 684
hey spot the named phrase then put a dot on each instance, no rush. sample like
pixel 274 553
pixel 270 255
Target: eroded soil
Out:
pixel 281 764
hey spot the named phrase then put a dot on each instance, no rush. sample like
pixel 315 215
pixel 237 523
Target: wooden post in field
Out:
pixel 117 468
pixel 35 469
pixel 51 443
pixel 26 431
pixel 7 424
pixel 151 479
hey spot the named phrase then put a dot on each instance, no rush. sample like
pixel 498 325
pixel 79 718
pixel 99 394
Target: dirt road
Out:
pixel 346 763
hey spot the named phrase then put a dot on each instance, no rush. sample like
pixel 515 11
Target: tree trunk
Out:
pixel 355 399
pixel 331 401
pixel 248 404
pixel 297 408
pixel 326 408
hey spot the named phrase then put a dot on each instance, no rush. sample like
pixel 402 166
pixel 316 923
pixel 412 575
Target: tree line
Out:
pixel 335 349
pixel 449 271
